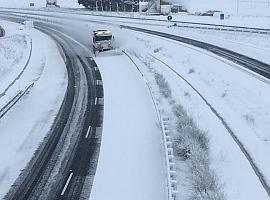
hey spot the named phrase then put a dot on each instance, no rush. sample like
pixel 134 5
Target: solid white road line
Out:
pixel 66 185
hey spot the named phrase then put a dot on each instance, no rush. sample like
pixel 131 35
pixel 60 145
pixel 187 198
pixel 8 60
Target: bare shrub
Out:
pixel 223 94
pixel 178 111
pixel 186 94
pixel 249 119
pixel 163 85
pixel 192 144
pixel 157 49
pixel 204 182
pixel 191 71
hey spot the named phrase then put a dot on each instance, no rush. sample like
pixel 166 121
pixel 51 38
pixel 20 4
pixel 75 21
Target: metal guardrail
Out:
pixel 195 25
pixel 220 27
pixel 2 31
pixel 14 100
pixel 176 23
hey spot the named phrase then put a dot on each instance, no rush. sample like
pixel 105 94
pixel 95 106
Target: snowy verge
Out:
pixel 223 151
pixel 190 144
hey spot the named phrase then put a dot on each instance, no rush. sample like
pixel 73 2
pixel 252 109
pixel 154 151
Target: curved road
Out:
pixel 70 151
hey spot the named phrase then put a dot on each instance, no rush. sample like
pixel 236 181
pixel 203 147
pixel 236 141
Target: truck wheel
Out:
pixel 94 50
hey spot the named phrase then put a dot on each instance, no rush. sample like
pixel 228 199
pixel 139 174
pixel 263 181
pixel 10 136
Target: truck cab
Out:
pixel 102 40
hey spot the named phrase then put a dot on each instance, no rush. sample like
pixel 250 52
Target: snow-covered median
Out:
pixel 131 164
pixel 23 128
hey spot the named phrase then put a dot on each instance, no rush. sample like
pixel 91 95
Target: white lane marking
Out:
pixel 66 185
pixel 96 101
pixel 88 131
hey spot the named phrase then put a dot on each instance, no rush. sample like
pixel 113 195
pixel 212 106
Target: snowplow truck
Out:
pixel 102 40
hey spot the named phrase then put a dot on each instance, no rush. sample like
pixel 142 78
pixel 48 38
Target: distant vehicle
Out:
pixel 51 3
pixel 210 13
pixel 102 40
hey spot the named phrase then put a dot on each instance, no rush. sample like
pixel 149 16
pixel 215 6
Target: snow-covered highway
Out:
pixel 131 163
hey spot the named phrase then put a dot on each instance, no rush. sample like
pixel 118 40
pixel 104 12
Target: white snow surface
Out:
pixel 23 128
pixel 131 163
pixel 240 96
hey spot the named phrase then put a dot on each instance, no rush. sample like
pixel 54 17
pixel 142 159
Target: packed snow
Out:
pixel 131 164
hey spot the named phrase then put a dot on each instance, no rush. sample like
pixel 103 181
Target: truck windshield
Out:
pixel 100 38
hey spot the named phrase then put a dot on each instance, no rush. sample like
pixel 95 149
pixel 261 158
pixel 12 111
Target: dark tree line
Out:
pixel 111 5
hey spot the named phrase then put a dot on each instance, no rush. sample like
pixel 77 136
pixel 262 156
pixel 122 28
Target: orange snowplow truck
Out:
pixel 102 40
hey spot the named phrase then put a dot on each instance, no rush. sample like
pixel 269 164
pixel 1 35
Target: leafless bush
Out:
pixel 186 94
pixel 191 70
pixel 192 144
pixel 204 182
pixel 163 85
pixel 157 49
pixel 249 119
pixel 223 95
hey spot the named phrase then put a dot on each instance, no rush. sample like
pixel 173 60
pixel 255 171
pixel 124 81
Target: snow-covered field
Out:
pixel 27 123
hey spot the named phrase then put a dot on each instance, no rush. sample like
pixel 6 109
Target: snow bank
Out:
pixel 131 164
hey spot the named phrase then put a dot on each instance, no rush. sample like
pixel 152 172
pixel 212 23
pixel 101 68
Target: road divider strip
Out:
pixel 166 139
